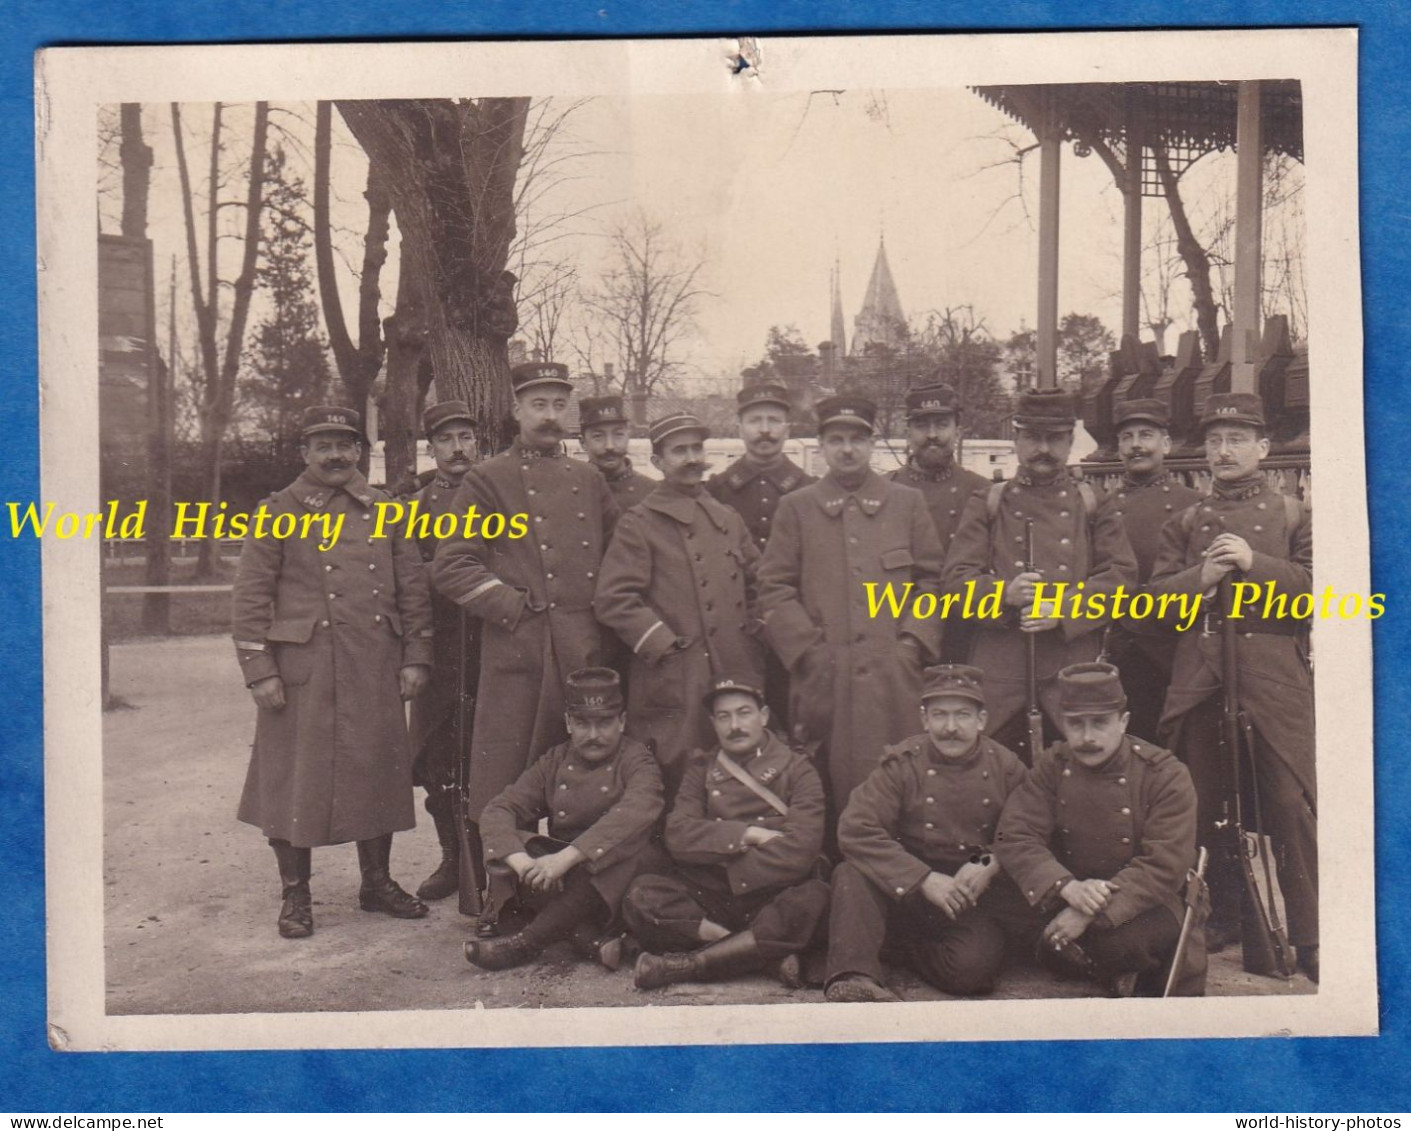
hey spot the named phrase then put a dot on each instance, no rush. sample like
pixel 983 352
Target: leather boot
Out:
pixel 447 877
pixel 501 954
pixel 724 958
pixel 296 913
pixel 604 948
pixel 379 891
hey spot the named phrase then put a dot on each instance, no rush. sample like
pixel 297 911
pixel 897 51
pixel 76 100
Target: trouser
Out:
pixel 576 902
pixel 434 768
pixel 1145 665
pixel 1286 810
pixel 958 956
pixel 1143 946
pixel 666 912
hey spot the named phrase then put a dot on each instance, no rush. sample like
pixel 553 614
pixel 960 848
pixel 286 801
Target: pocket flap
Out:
pixel 293 630
pixel 395 622
pixel 896 559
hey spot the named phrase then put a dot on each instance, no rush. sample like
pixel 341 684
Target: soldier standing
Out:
pixel 1074 541
pixel 605 434
pixel 678 588
pixel 601 795
pixel 1248 529
pixel 753 486
pixel 745 832
pixel 1146 498
pixel 332 637
pixel 532 595
pixel 916 838
pixel 932 429
pixel 1101 837
pixel 450 430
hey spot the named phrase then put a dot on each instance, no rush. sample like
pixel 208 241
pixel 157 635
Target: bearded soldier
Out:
pixel 1147 497
pixel 332 637
pixel 604 433
pixel 532 595
pixel 1248 530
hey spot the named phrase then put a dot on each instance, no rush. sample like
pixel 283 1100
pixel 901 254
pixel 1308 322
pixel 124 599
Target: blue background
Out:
pixel 1273 1075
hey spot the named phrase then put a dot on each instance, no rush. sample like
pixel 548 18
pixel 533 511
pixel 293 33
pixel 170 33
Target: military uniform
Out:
pixel 678 588
pixel 629 487
pixel 770 889
pixel 533 597
pixel 1074 541
pixel 1130 820
pixel 1275 686
pixel 919 812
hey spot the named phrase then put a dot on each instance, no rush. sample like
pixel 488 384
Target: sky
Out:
pixel 769 191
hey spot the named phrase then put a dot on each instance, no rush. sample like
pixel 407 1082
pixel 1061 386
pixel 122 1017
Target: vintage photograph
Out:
pixel 709 540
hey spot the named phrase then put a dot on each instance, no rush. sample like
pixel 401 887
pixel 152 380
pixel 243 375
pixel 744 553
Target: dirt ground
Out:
pixel 192 894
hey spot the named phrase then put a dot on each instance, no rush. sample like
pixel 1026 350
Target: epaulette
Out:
pixel 1150 753
pixel 897 750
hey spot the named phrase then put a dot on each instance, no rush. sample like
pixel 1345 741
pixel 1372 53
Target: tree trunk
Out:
pixel 1193 255
pixel 408 375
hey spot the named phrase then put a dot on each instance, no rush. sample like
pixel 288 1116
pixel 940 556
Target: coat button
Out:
pixel 1063 514
pixel 371 565
pixel 543 546
pixel 929 825
pixel 328 569
pixel 986 801
pixel 590 575
pixel 930 773
pixel 1067 772
pixel 563 785
pixel 901 891
pixel 378 618
pixel 930 801
pixel 332 595
pixel 324 623
pixel 1126 840
pixel 1121 781
pixel 1126 812
pixel 548 577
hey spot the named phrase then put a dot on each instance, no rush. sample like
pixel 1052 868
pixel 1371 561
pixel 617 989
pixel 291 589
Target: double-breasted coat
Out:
pixel 605 809
pixel 1275 681
pixel 1131 820
pixel 919 812
pixel 753 492
pixel 336 625
pixel 678 588
pixel 707 822
pixel 534 599
pixel 1073 542
pixel 854 684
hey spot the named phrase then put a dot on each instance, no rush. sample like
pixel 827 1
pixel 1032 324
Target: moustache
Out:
pixel 1087 749
pixel 550 429
pixel 694 466
pixel 336 465
pixel 736 736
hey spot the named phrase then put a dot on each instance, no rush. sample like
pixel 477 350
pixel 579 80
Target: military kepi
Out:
pixel 763 392
pixel 936 399
pixel 726 686
pixel 443 412
pixel 1090 689
pixel 1232 408
pixel 860 411
pixel 1143 409
pixel 600 410
pixel 330 418
pixel 953 679
pixel 659 430
pixel 535 373
pixel 595 692
pixel 1046 408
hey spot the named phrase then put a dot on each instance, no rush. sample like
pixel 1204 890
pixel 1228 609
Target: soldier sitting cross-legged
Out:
pixel 745 832
pixel 601 793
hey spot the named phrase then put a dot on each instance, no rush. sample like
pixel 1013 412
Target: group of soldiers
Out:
pixel 694 736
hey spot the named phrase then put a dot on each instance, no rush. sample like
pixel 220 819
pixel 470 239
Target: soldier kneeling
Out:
pixel 602 795
pixel 745 831
pixel 1103 834
pixel 918 875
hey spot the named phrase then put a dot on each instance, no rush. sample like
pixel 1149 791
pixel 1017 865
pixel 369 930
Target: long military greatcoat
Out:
pixel 678 588
pixel 336 625
pixel 534 599
pixel 606 810
pixel 754 492
pixel 712 810
pixel 1069 546
pixel 1275 683
pixel 854 684
pixel 919 812
pixel 1131 820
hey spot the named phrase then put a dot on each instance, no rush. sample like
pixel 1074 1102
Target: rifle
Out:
pixel 1263 942
pixel 1195 895
pixel 467 835
pixel 1035 713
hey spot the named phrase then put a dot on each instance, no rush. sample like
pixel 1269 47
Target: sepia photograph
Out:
pixel 698 541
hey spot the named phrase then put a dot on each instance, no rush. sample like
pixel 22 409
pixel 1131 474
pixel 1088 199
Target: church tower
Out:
pixel 880 321
pixel 837 331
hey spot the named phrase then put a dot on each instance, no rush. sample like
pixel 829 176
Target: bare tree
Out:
pixel 409 372
pixel 544 308
pixel 219 367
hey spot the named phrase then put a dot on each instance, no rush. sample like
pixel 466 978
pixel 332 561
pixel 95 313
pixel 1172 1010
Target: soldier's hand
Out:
pixel 413 679
pixel 1037 624
pixel 1020 591
pixel 1088 896
pixel 756 835
pixel 944 892
pixel 1231 550
pixel 521 862
pixel 268 693
pixel 975 878
pixel 547 872
pixel 1211 572
pixel 1067 926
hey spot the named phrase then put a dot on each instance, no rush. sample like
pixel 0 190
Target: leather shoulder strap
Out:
pixel 758 788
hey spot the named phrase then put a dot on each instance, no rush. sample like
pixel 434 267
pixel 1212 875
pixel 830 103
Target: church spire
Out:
pixel 880 320
pixel 837 330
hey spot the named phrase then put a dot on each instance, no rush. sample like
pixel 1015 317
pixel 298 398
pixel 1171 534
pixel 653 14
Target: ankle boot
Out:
pixel 596 945
pixel 379 891
pixel 447 877
pixel 501 954
pixel 296 913
pixel 734 954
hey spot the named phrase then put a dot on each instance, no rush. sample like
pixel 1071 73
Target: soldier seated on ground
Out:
pixel 602 795
pixel 918 875
pixel 1101 838
pixel 745 833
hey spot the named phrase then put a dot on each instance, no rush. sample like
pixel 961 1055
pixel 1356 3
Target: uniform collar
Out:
pixel 444 481
pixel 833 496
pixel 522 450
pixel 1131 486
pixel 316 496
pixel 1062 479
pixel 1240 490
pixel 684 508
pixel 764 765
pixel 784 475
pixel 920 472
